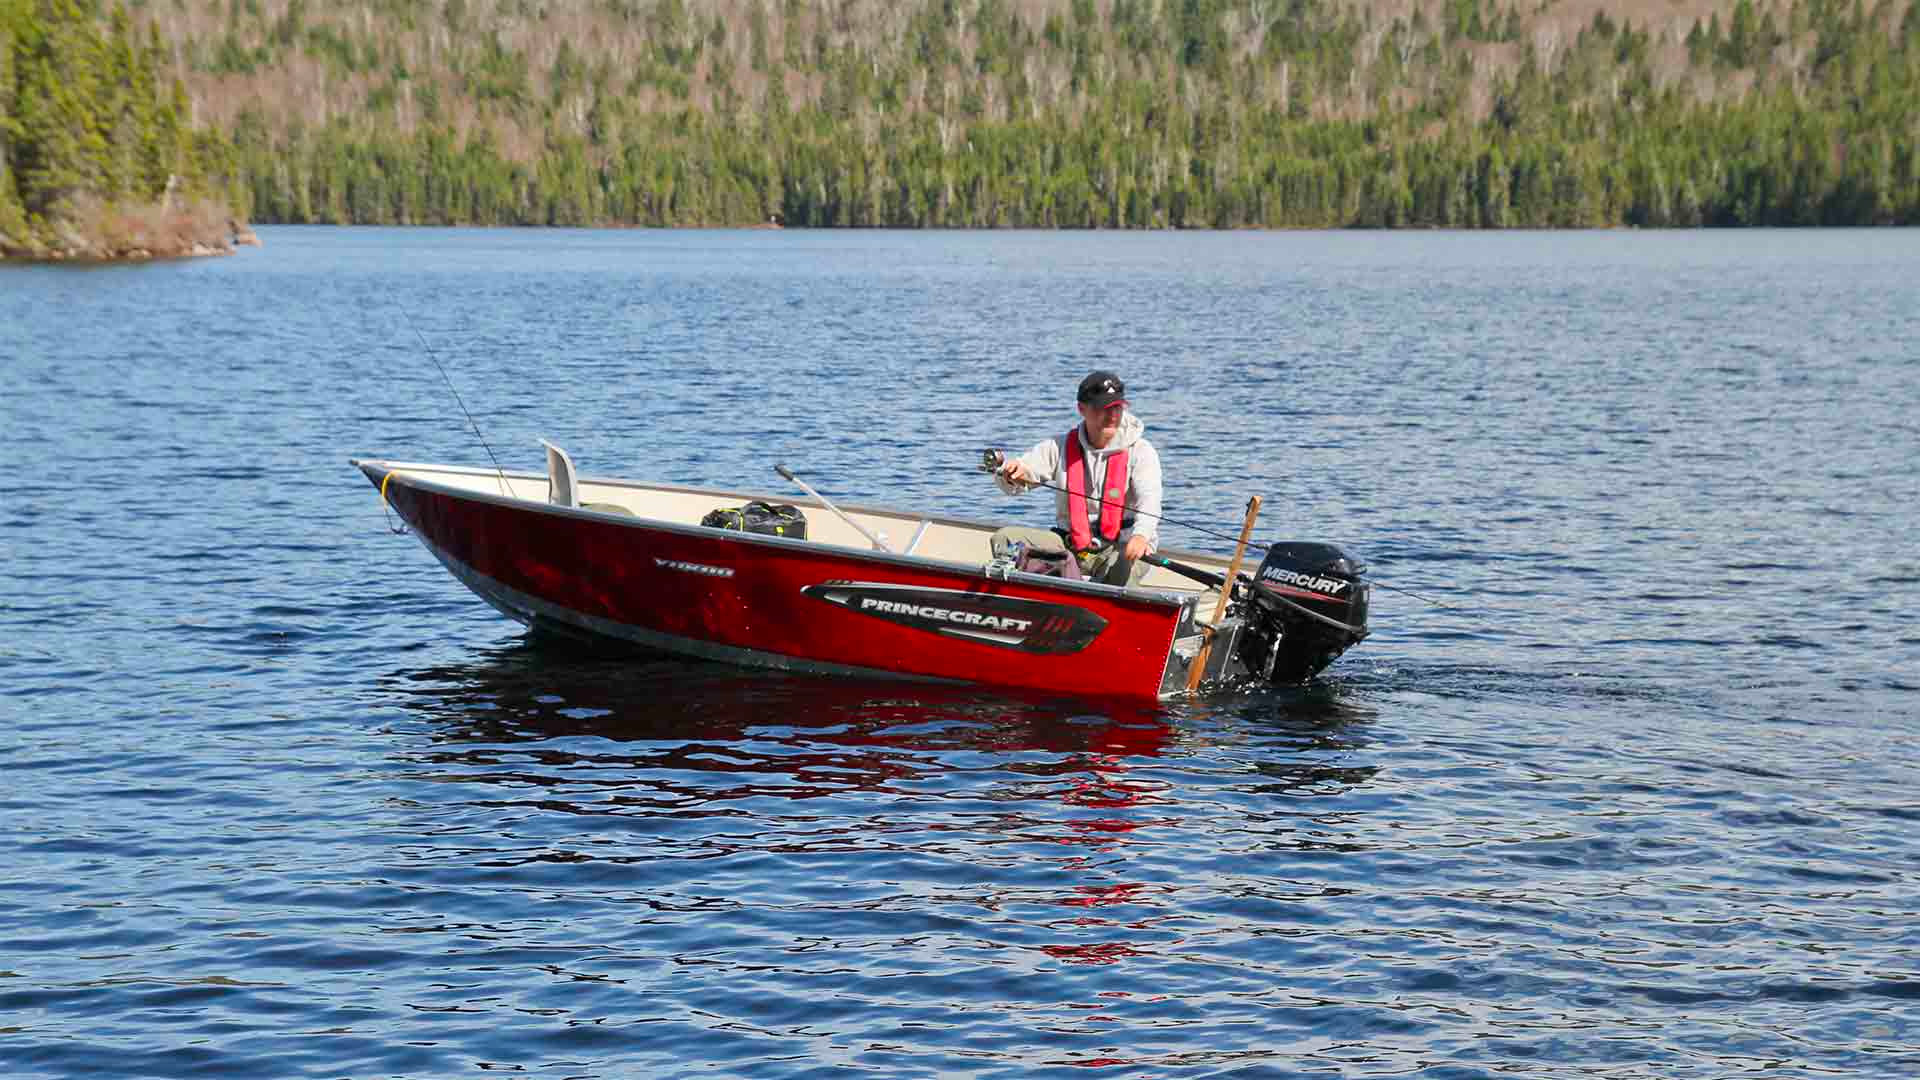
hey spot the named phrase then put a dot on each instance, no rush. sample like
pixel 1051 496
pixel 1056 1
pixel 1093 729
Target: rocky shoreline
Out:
pixel 99 232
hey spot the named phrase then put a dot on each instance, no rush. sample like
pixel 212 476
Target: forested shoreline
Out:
pixel 1056 113
pixel 98 157
pixel 1075 113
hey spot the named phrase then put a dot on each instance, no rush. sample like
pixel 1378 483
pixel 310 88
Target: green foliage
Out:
pixel 497 73
pixel 84 115
pixel 1472 20
pixel 1082 114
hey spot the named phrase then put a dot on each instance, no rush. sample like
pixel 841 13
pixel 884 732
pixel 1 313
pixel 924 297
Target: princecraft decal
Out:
pixel 1010 622
pixel 1322 588
pixel 694 567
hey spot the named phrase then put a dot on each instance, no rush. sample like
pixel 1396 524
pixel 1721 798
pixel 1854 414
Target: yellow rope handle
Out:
pixel 386 507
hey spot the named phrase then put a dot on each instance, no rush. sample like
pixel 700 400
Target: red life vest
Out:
pixel 1079 529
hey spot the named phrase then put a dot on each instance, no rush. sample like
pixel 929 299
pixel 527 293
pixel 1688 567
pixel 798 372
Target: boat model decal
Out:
pixel 694 567
pixel 1034 626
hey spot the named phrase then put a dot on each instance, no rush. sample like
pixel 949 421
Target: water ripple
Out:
pixel 1633 800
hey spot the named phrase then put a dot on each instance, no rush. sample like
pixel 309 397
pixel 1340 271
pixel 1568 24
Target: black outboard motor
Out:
pixel 1308 606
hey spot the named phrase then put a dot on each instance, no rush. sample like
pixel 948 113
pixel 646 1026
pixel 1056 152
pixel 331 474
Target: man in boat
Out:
pixel 1106 454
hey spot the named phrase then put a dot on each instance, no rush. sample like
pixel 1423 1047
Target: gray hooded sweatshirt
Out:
pixel 1143 478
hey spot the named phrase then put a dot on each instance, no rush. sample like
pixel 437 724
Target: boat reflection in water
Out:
pixel 823 735
pixel 809 736
pixel 843 831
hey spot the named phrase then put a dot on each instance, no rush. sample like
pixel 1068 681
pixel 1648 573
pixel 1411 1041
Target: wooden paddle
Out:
pixel 1199 667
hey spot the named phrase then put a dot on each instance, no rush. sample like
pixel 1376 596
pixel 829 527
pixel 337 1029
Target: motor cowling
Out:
pixel 1307 605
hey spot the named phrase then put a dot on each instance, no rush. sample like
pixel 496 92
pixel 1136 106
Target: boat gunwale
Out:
pixel 386 468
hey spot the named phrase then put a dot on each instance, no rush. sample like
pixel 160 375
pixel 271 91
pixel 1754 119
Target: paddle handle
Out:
pixel 1199 667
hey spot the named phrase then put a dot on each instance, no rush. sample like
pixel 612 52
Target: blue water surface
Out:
pixel 1630 793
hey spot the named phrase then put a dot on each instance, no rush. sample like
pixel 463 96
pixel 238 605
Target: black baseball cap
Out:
pixel 1101 389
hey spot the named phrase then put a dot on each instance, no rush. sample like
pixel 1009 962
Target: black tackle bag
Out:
pixel 1060 564
pixel 770 519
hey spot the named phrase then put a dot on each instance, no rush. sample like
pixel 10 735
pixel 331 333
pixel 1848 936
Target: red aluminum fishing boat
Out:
pixel 632 562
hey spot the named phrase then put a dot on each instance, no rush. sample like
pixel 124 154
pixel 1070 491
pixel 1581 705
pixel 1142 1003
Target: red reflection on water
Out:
pixel 1094 952
pixel 1102 895
pixel 525 693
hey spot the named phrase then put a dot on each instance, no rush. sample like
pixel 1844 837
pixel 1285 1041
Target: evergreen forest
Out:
pixel 1018 113
pixel 97 155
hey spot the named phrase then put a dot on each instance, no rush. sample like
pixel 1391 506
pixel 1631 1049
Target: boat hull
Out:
pixel 788 604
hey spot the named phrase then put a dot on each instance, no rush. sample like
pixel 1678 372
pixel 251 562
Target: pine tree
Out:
pixel 13 215
pixel 61 149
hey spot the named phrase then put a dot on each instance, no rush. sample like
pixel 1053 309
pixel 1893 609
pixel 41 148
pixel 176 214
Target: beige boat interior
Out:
pixel 923 536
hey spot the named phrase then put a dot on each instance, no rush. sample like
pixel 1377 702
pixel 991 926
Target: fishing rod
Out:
pixel 991 461
pixel 1208 577
pixel 500 472
pixel 878 544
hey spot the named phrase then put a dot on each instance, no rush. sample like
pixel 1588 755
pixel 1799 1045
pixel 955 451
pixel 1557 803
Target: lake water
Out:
pixel 278 797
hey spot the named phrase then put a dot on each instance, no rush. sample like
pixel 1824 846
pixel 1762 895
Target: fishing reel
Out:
pixel 991 460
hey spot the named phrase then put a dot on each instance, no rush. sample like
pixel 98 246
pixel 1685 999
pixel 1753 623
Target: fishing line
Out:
pixel 502 473
pixel 1415 595
pixel 990 461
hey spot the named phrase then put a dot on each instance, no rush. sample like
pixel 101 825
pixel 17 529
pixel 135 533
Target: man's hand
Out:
pixel 1136 546
pixel 1015 472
